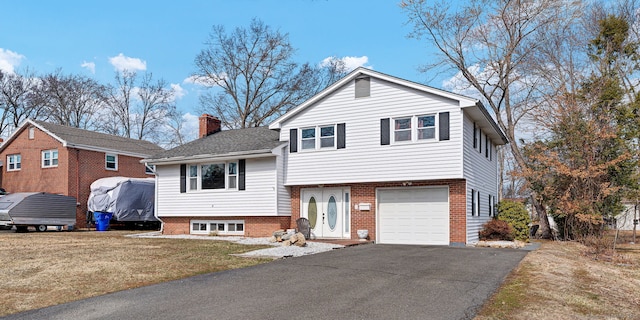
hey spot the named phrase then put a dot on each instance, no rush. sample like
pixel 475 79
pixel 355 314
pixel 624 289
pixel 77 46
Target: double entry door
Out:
pixel 325 209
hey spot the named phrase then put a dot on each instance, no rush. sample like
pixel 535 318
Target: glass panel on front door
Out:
pixel 313 212
pixel 332 213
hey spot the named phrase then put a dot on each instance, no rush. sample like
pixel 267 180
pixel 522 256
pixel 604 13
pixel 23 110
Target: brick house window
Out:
pixel 49 158
pixel 32 133
pixel 111 162
pixel 14 162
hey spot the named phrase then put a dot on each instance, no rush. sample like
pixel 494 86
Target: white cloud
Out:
pixel 178 91
pixel 350 63
pixel 91 66
pixel 205 81
pixel 9 60
pixel 122 63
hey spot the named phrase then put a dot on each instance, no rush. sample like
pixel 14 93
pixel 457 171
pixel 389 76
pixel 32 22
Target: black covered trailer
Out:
pixel 37 209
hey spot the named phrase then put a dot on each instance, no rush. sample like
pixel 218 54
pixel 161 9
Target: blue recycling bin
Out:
pixel 102 220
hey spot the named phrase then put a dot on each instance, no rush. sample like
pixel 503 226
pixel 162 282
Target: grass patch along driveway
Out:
pixel 49 268
pixel 567 280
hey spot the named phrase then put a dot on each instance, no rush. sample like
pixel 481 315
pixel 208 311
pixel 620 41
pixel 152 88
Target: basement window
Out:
pixel 220 227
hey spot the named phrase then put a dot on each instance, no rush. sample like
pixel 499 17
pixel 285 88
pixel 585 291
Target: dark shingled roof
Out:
pixel 235 141
pixel 80 138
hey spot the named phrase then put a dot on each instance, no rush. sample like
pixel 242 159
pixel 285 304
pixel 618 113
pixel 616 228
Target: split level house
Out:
pixel 409 163
pixel 45 157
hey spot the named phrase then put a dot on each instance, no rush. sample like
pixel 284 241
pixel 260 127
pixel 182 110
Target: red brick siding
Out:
pixel 68 177
pixel 92 167
pixel 366 193
pixel 32 177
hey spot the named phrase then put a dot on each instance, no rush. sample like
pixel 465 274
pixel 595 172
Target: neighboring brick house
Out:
pixel 409 163
pixel 46 157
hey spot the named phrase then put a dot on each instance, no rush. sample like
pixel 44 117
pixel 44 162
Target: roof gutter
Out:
pixel 91 148
pixel 198 158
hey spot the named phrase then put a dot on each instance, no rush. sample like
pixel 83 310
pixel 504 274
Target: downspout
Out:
pixel 78 183
pixel 155 200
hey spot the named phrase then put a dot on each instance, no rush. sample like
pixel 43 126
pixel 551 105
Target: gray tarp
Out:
pixel 129 199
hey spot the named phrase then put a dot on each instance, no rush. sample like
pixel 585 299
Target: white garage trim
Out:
pixel 413 215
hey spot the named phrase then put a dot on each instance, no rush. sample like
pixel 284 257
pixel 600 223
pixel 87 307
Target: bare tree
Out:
pixel 491 44
pixel 18 99
pixel 72 100
pixel 139 108
pixel 121 104
pixel 258 78
pixel 175 130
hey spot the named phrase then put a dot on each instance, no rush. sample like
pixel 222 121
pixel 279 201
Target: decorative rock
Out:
pixel 301 241
pixel 286 236
pixel 273 239
pixel 286 243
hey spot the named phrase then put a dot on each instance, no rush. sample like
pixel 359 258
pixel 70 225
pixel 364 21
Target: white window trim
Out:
pixel 198 177
pixel 414 129
pixel 226 223
pixel 115 156
pixel 315 139
pixel 51 151
pixel 318 138
pixel 15 163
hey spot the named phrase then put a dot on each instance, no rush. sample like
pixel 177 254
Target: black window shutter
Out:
pixel 241 174
pixel 443 119
pixel 384 132
pixel 473 202
pixel 293 140
pixel 475 136
pixel 480 140
pixel 341 137
pixel 486 146
pixel 183 178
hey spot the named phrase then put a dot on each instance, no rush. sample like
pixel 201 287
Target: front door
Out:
pixel 324 209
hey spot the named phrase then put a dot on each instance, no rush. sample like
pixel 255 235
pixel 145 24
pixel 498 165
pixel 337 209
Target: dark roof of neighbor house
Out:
pixel 225 142
pixel 85 139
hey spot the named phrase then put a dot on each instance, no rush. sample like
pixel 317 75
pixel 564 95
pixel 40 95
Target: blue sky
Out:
pixel 163 37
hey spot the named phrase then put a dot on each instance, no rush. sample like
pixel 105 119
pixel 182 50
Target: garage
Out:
pixel 413 215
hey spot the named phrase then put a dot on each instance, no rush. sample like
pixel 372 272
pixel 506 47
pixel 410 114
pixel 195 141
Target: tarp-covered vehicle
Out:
pixel 129 200
pixel 37 209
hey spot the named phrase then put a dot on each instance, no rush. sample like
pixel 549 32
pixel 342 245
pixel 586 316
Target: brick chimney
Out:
pixel 208 125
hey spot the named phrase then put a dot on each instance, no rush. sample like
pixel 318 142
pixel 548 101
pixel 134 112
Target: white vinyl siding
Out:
pixel 364 159
pixel 481 174
pixel 283 202
pixel 257 200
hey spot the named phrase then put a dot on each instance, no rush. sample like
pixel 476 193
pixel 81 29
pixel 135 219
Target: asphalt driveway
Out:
pixel 362 282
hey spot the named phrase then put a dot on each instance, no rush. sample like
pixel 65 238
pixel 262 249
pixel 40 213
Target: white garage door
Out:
pixel 413 216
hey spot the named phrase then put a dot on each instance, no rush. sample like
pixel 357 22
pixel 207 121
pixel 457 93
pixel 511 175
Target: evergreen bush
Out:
pixel 516 215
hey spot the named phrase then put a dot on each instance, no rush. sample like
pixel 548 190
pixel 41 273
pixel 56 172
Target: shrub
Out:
pixel 496 229
pixel 517 216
